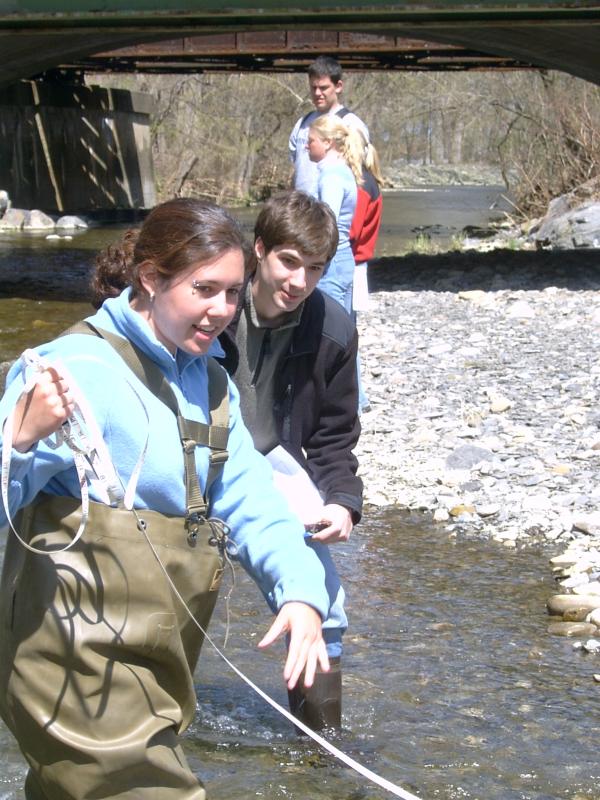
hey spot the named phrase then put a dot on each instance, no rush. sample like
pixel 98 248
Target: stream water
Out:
pixel 452 686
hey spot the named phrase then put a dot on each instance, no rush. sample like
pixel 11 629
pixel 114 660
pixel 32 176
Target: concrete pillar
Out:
pixel 73 148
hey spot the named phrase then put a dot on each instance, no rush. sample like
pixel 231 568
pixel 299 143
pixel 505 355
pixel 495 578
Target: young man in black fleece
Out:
pixel 292 353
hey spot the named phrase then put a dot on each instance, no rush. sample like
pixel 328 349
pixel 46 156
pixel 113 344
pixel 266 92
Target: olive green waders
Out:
pixel 98 654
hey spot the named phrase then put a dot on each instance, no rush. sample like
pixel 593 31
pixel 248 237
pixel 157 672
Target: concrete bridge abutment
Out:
pixel 74 148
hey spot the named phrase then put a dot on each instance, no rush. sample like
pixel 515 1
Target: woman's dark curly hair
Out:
pixel 175 236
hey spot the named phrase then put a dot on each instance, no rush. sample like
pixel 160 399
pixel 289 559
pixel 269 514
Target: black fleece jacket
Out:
pixel 316 397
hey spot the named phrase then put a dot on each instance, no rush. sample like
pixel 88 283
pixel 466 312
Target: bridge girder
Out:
pixel 287 51
pixel 562 36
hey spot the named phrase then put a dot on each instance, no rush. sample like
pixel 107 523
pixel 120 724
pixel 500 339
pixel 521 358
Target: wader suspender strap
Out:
pixel 192 433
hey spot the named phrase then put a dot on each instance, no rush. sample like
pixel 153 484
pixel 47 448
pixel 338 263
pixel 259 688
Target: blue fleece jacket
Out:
pixel 337 187
pixel 270 540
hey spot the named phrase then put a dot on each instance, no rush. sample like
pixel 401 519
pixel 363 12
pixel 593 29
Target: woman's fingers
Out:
pixel 43 410
pixel 306 645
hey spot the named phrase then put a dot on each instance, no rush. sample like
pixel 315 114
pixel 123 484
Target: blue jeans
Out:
pixel 338 278
pixel 363 400
pixel 336 623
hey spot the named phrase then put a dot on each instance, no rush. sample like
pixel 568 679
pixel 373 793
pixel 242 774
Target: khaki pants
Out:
pixel 98 654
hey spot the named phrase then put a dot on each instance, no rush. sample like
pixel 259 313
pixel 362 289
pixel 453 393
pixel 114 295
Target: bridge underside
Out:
pixel 288 51
pixel 561 36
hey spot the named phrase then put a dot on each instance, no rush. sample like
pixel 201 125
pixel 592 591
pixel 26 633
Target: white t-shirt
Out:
pixel 305 170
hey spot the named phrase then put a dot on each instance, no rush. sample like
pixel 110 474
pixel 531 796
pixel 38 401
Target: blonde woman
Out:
pixel 333 147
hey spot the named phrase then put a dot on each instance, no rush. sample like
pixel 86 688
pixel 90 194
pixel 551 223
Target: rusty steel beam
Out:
pixel 288 51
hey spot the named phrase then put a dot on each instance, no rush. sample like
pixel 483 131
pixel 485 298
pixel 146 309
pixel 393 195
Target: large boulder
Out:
pixel 38 221
pixel 572 220
pixel 578 227
pixel 4 202
pixel 13 219
pixel 70 222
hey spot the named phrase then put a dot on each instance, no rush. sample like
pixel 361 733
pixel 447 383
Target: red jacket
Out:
pixel 366 220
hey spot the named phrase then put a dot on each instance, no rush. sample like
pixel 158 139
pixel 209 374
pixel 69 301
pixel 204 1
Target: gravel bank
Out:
pixel 483 378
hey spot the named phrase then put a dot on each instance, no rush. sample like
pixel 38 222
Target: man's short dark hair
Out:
pixel 296 219
pixel 325 66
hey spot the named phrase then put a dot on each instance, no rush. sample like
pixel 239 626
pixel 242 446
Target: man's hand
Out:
pixel 339 525
pixel 42 411
pixel 306 648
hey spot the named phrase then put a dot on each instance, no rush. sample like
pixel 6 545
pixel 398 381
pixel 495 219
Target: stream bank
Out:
pixel 483 380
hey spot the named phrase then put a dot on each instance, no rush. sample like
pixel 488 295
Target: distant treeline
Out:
pixel 225 136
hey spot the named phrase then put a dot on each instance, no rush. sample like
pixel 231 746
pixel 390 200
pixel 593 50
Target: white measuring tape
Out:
pixel 93 463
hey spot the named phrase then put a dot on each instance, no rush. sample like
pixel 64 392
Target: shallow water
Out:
pixel 452 687
pixel 438 213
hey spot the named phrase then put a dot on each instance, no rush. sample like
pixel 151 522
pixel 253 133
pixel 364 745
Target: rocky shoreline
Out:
pixel 483 379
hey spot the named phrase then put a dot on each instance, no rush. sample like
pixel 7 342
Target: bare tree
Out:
pixel 225 135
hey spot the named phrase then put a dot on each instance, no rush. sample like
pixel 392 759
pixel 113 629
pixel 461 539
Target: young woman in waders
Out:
pixel 98 651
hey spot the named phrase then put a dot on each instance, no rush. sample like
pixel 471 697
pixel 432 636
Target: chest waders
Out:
pixel 98 655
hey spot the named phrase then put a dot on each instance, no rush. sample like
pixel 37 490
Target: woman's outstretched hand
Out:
pixel 42 411
pixel 306 648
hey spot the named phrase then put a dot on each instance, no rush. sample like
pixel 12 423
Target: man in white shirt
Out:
pixel 326 84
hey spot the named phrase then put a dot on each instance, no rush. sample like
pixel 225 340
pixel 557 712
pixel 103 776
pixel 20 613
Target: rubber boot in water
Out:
pixel 320 706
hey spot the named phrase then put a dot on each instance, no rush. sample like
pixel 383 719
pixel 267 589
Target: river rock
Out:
pixel 4 202
pixel 475 296
pixel 566 559
pixel 521 309
pixel 36 220
pixel 559 603
pixel 70 222
pixel 577 615
pixel 592 645
pixel 589 523
pixel 594 617
pixel 566 228
pixel 13 219
pixel 467 456
pixel 591 588
pixel 572 629
pixel 489 510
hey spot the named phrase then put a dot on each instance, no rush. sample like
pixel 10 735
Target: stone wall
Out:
pixel 75 148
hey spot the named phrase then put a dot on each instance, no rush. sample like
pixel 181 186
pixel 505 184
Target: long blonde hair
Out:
pixel 367 155
pixel 371 162
pixel 346 140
